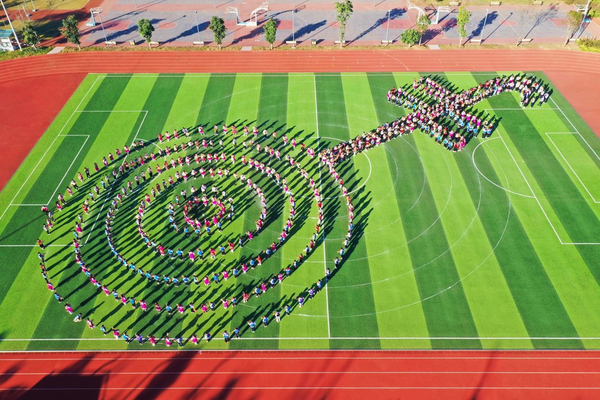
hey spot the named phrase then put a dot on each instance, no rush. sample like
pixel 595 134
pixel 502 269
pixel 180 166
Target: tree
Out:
pixel 423 23
pixel 217 26
pixel 270 29
pixel 574 20
pixel 145 30
pixel 344 12
pixel 462 20
pixel 410 37
pixel 70 30
pixel 29 34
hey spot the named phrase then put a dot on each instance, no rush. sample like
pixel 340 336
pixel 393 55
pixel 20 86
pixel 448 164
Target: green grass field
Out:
pixel 494 247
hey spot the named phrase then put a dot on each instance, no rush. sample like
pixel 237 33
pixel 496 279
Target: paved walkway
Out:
pixel 180 22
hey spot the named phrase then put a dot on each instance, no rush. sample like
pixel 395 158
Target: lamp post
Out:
pixel 197 27
pixel 293 20
pixel 26 11
pixel 587 7
pixel 387 29
pixel 11 25
pixel 99 12
pixel 484 23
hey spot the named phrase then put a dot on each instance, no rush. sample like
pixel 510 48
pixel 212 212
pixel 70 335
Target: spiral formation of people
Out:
pixel 185 198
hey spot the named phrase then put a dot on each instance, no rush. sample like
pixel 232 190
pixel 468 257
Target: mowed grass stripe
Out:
pixel 401 285
pixel 94 123
pixel 446 308
pixel 216 102
pixel 243 110
pixel 272 115
pixel 301 123
pixel 188 101
pixel 347 301
pixel 394 287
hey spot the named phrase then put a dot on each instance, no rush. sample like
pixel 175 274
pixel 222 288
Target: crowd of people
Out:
pixel 128 166
pixel 445 115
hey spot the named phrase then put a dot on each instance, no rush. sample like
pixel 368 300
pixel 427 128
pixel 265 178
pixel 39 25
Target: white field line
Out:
pixel 563 157
pixel 488 179
pixel 538 201
pixel 87 137
pixel 570 122
pixel 50 146
pixel 321 191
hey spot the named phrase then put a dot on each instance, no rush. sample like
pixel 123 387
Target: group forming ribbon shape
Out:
pixel 446 115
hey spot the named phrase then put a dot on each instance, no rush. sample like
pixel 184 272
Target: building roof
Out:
pixel 5 34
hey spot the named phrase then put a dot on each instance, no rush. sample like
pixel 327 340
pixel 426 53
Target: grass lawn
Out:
pixel 494 247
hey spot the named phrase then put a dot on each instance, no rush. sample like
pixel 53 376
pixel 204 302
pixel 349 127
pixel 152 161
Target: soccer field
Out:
pixel 493 247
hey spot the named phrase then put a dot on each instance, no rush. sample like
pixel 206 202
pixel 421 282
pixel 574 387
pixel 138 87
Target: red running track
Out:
pixel 292 375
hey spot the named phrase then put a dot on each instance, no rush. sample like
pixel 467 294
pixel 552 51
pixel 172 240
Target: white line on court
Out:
pixel 321 191
pixel 570 167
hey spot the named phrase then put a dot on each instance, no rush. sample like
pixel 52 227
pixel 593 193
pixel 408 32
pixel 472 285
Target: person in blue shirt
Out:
pixel 252 326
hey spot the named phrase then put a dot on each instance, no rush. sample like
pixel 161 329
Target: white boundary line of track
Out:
pixel 322 338
pixel 311 387
pixel 87 137
pixel 281 354
pixel 143 373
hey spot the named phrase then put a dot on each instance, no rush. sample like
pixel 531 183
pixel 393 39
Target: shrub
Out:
pixel 589 45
